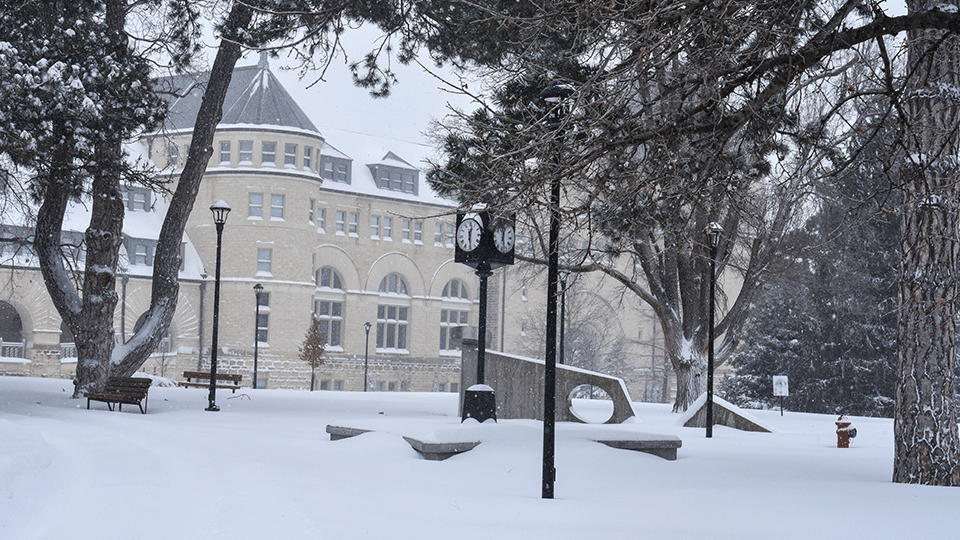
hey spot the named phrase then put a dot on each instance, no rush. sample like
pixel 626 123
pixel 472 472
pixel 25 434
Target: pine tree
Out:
pixel 829 322
pixel 314 348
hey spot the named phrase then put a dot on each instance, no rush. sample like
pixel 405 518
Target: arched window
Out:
pixel 328 306
pixel 454 316
pixel 393 314
pixel 328 277
pixel 393 284
pixel 455 289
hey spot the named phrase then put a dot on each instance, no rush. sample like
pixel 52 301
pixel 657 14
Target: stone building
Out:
pixel 334 225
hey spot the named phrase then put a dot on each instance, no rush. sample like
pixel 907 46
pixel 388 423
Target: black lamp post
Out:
pixel 553 94
pixel 257 290
pixel 366 356
pixel 713 235
pixel 563 315
pixel 220 210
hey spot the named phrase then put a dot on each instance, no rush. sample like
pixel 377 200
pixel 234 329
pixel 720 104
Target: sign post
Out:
pixel 781 387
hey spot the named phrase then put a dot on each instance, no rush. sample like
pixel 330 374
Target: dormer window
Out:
pixel 136 199
pixel 335 169
pixel 395 174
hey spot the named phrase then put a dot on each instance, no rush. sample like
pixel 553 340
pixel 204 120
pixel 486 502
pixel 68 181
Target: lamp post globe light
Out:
pixel 366 356
pixel 713 231
pixel 220 210
pixel 554 95
pixel 257 291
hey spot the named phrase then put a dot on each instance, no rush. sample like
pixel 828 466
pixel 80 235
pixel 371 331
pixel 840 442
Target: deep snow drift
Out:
pixel 263 467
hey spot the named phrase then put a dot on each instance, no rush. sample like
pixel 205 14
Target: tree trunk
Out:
pixel 163 302
pixel 691 381
pixel 926 445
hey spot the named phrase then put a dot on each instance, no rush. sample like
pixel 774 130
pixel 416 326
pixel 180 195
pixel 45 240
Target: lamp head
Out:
pixel 714 230
pixel 220 210
pixel 367 326
pixel 257 289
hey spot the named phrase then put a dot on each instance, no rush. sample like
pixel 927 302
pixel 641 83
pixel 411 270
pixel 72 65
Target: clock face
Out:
pixel 504 237
pixel 468 234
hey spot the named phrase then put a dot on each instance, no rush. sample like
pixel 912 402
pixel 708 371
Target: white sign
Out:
pixel 780 385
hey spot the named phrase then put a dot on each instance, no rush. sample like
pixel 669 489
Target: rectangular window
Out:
pixel 375 227
pixel 388 228
pixel 341 221
pixel 307 155
pixel 341 174
pixel 268 153
pixel 255 207
pixel 276 206
pixel 313 204
pixel 265 299
pixel 392 327
pixel 139 200
pixel 408 184
pixel 330 315
pixel 452 323
pixel 321 220
pixel 418 232
pixel 405 231
pixel 327 172
pixel 225 152
pixel 264 260
pixel 396 183
pixel 438 235
pixel 173 156
pixel 263 324
pixel 246 152
pixel 448 239
pixel 289 155
pixel 354 223
pixel 140 254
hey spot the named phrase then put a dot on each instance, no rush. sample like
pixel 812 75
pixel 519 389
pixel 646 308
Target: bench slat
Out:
pixel 224 380
pixel 120 390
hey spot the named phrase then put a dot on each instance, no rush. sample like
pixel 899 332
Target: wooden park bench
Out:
pixel 224 380
pixel 120 390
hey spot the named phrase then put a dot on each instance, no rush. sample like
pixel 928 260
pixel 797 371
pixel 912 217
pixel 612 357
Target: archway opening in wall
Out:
pixel 11 331
pixel 591 404
pixel 11 326
pixel 68 345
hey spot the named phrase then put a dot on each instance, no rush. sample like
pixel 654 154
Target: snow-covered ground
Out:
pixel 263 467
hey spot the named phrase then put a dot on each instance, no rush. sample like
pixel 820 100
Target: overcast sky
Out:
pixel 335 102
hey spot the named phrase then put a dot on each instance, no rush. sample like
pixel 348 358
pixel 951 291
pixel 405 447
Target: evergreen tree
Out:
pixel 829 321
pixel 313 349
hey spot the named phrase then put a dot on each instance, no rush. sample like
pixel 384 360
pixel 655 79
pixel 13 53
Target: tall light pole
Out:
pixel 563 315
pixel 714 230
pixel 220 210
pixel 257 291
pixel 366 356
pixel 553 94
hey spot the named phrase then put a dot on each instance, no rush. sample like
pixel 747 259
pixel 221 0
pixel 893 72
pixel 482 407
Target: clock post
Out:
pixel 484 242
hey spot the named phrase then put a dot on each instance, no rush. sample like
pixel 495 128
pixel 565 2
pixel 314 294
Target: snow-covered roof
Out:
pixel 254 97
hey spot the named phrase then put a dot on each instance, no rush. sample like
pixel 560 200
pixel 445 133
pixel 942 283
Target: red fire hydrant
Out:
pixel 844 432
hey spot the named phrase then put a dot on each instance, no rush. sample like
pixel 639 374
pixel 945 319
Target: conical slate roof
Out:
pixel 255 96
